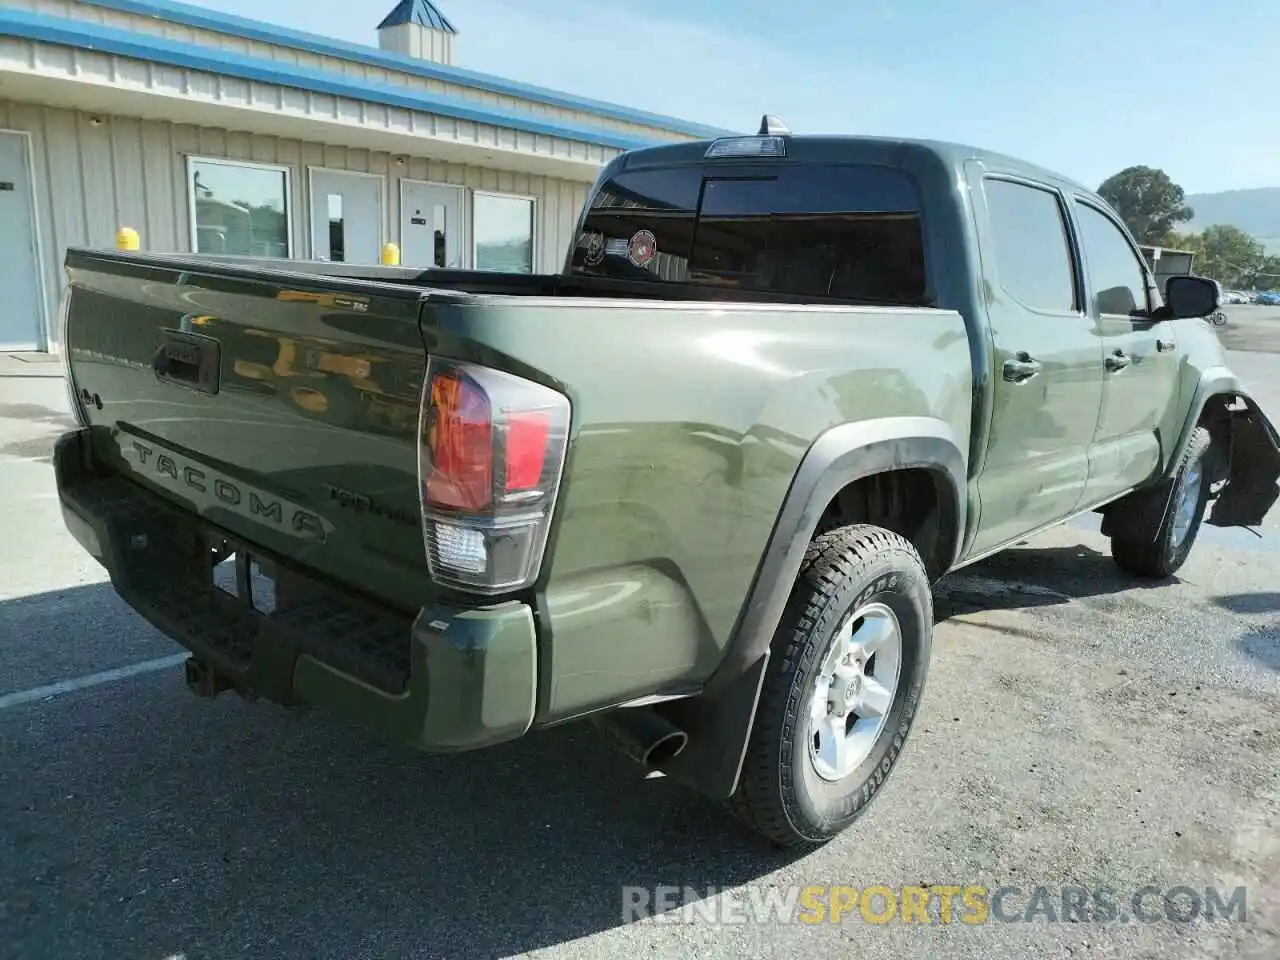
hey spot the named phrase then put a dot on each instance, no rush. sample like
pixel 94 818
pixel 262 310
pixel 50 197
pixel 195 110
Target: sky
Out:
pixel 1083 87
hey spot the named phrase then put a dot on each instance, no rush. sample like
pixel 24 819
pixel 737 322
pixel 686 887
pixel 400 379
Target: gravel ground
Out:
pixel 1077 730
pixel 1251 327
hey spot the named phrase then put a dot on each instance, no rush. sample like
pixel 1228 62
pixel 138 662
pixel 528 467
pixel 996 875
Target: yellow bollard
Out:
pixel 127 239
pixel 390 255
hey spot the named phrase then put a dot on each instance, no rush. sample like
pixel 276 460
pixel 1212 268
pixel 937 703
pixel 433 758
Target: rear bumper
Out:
pixel 448 679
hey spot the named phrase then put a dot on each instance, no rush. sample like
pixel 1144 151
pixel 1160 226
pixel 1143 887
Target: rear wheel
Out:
pixel 1159 550
pixel 842 689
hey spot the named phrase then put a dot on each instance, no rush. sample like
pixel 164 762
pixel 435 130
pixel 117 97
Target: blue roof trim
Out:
pixel 192 16
pixel 126 43
pixel 422 12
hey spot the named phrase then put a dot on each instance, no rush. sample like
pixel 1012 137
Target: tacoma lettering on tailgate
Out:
pixel 210 489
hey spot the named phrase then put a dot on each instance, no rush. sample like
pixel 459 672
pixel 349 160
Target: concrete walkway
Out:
pixel 30 365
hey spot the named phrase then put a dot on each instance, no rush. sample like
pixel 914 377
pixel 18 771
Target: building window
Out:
pixel 239 208
pixel 503 228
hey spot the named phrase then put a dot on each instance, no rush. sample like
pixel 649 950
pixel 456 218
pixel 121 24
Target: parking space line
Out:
pixel 92 680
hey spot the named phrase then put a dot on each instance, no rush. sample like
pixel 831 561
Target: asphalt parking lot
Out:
pixel 1077 730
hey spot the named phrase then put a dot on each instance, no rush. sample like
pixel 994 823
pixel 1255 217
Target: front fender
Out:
pixel 1252 461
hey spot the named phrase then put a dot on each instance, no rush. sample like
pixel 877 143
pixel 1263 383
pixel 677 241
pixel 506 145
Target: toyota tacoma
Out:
pixel 695 488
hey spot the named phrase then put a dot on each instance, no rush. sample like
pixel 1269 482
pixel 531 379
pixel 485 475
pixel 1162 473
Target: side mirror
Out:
pixel 1191 296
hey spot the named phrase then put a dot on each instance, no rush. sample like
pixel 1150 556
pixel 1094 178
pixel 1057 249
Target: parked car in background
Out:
pixel 1269 297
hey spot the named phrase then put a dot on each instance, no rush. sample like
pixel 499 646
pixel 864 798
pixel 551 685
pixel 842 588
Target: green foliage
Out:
pixel 1149 203
pixel 1152 206
pixel 1230 256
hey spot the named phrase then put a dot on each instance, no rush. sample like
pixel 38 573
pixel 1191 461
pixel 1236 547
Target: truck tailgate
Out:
pixel 282 408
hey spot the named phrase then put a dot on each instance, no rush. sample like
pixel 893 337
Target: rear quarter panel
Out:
pixel 689 423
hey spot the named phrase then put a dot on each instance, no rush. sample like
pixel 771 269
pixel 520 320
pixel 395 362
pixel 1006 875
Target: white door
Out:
pixel 346 217
pixel 22 313
pixel 431 225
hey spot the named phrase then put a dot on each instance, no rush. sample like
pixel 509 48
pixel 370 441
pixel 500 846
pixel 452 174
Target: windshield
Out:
pixel 849 232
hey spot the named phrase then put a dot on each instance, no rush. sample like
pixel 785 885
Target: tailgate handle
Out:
pixel 188 359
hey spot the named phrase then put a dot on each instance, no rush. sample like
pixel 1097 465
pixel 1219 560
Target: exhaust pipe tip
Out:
pixel 643 735
pixel 202 679
pixel 665 749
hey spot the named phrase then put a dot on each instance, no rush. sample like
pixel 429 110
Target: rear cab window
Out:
pixel 817 231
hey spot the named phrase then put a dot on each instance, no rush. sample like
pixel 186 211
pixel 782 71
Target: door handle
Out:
pixel 1021 368
pixel 1163 345
pixel 1117 361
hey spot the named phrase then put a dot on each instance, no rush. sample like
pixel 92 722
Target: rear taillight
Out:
pixel 490 453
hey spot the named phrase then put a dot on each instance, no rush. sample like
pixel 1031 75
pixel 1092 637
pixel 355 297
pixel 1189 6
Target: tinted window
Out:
pixel 662 202
pixel 1117 281
pixel 844 232
pixel 1033 254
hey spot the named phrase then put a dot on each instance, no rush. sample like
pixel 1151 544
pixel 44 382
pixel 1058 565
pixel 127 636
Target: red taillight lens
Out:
pixel 489 461
pixel 459 440
pixel 527 435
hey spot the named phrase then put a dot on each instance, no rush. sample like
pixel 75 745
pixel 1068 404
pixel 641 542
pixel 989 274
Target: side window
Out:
pixel 1033 254
pixel 1117 278
pixel 640 226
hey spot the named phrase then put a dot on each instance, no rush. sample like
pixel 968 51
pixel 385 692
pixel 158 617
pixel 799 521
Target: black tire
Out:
pixel 780 794
pixel 1155 551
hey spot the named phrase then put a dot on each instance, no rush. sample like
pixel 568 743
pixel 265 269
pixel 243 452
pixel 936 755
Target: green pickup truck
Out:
pixel 696 488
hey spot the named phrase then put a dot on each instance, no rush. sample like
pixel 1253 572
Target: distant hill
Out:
pixel 1256 212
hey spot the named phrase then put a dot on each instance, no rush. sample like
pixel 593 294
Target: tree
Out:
pixel 1148 202
pixel 1229 255
pixel 1267 276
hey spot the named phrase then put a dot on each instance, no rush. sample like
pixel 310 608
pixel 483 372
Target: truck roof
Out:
pixel 813 148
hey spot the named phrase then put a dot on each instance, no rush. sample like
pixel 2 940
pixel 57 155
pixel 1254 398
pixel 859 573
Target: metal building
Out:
pixel 211 133
pixel 1165 262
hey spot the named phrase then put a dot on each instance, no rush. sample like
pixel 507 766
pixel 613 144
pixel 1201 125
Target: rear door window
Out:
pixel 841 232
pixel 1034 264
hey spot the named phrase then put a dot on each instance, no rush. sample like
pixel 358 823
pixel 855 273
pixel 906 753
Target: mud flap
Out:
pixel 719 726
pixel 1251 491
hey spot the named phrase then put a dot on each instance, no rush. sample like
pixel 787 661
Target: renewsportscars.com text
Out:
pixel 972 904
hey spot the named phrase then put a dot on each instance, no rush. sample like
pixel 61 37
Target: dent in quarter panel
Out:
pixel 637 609
pixel 689 423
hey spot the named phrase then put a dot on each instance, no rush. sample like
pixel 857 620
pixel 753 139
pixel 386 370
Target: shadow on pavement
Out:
pixel 142 822
pixel 1249 602
pixel 1262 643
pixel 35 448
pixel 1028 576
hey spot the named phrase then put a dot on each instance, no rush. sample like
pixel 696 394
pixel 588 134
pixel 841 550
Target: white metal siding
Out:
pixel 90 179
pixel 105 75
pixel 341 67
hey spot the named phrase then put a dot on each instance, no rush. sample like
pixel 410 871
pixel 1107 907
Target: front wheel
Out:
pixel 1160 552
pixel 842 689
